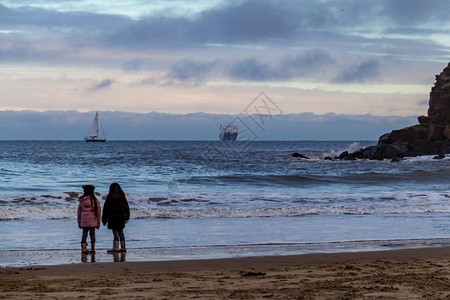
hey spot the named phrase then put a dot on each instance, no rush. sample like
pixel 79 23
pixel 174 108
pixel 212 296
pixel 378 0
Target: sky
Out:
pixel 348 57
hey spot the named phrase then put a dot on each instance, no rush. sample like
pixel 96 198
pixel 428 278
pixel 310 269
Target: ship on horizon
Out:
pixel 228 133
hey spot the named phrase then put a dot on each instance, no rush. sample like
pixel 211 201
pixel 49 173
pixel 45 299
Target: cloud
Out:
pixel 193 70
pixel 231 22
pixel 249 69
pixel 135 65
pixel 171 49
pixel 361 72
pixel 271 23
pixel 29 33
pixel 247 22
pixel 405 12
pixel 337 25
pixel 305 64
pixel 253 69
pixel 104 84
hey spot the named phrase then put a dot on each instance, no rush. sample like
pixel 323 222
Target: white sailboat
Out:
pixel 93 135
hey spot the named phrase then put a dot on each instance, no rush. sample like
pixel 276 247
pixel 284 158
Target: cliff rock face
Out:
pixel 439 109
pixel 431 136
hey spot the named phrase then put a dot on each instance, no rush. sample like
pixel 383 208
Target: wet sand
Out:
pixel 406 274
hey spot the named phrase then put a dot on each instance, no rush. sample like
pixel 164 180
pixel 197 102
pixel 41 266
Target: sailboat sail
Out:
pixel 93 135
pixel 94 128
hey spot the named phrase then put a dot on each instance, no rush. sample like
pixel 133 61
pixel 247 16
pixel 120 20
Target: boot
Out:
pixel 84 248
pixel 122 246
pixel 115 247
pixel 92 248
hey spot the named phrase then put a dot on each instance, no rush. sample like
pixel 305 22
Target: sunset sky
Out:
pixel 346 57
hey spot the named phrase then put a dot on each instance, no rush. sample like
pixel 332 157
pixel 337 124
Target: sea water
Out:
pixel 200 199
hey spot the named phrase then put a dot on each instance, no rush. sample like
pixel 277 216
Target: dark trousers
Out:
pixel 118 235
pixel 91 231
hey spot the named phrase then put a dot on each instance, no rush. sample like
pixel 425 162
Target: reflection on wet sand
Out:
pixel 84 257
pixel 118 257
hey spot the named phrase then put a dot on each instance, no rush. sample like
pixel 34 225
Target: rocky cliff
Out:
pixel 430 137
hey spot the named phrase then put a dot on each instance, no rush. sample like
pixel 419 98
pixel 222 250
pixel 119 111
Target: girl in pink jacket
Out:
pixel 88 217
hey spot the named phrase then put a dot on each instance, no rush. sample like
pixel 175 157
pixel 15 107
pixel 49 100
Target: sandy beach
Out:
pixel 405 274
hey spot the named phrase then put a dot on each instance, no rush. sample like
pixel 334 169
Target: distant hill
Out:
pixel 74 125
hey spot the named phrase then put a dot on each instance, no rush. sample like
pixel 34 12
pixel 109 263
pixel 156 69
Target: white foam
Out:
pixel 9 213
pixel 426 158
pixel 353 147
pixel 45 212
pixel 287 211
pixel 242 205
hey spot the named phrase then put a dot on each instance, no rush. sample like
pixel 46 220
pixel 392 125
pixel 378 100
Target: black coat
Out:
pixel 116 212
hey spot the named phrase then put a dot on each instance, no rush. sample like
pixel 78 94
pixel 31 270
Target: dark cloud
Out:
pixel 253 69
pixel 334 26
pixel 28 33
pixel 156 32
pixel 183 72
pixel 41 35
pixel 406 12
pixel 305 64
pixel 235 22
pixel 104 84
pixel 361 72
pixel 261 22
pixel 193 70
pixel 247 22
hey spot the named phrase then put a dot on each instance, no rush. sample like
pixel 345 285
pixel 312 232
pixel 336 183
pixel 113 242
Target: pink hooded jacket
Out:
pixel 86 214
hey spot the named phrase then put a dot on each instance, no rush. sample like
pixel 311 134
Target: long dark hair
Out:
pixel 116 192
pixel 117 201
pixel 88 190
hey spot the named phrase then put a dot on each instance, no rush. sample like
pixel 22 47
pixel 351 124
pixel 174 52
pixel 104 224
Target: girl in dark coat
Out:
pixel 116 213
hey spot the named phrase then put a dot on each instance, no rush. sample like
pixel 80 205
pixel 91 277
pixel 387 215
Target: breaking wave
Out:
pixel 9 213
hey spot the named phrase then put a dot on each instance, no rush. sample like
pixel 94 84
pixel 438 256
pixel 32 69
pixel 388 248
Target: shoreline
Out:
pixel 280 261
pixel 405 273
pixel 21 258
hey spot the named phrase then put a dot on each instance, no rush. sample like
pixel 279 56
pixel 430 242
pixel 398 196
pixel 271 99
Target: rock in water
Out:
pixel 430 137
pixel 296 154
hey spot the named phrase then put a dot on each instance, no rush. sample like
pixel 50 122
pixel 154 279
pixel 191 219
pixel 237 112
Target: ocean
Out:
pixel 200 199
